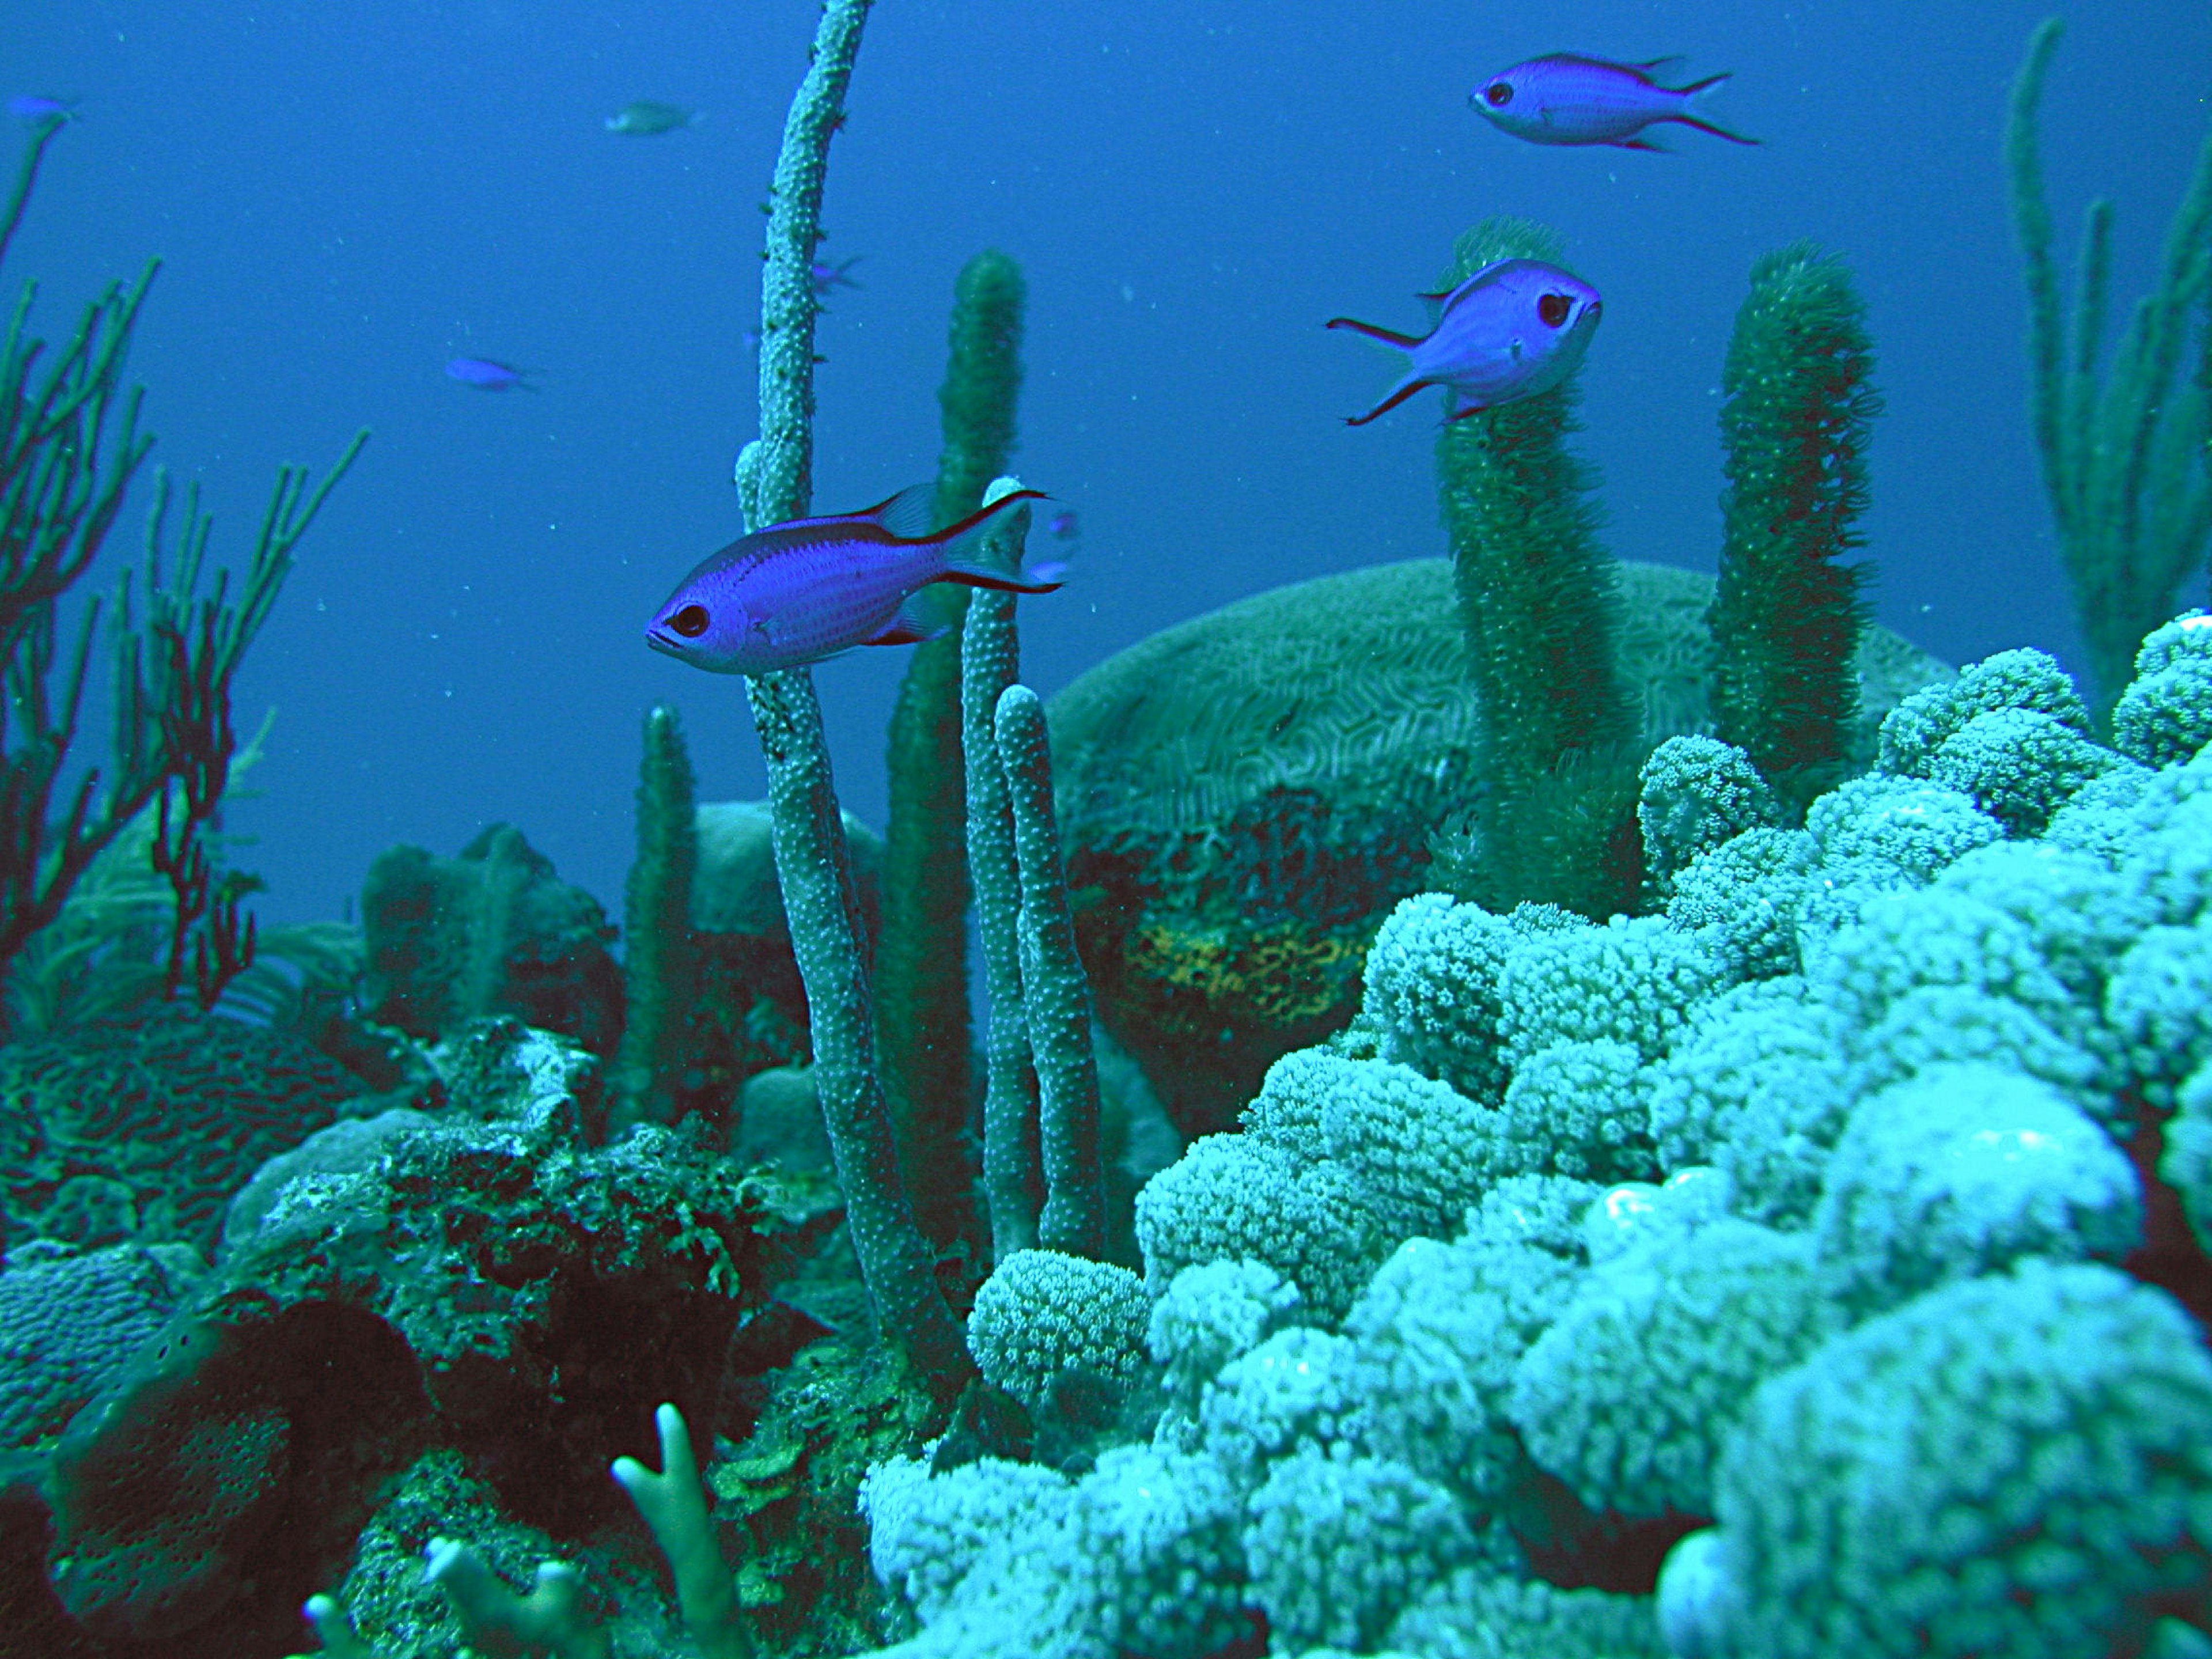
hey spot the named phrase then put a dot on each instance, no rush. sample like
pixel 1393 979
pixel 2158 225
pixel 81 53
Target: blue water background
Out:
pixel 346 196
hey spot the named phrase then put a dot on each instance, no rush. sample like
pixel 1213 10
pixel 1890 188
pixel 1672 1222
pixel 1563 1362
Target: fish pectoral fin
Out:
pixel 1391 399
pixel 907 628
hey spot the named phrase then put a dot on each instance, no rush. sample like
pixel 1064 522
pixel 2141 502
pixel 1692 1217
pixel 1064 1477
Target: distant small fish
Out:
pixel 31 107
pixel 828 278
pixel 749 338
pixel 1565 99
pixel 1062 524
pixel 645 117
pixel 803 591
pixel 486 375
pixel 1512 330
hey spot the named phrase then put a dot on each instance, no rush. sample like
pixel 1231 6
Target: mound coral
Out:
pixel 1857 1294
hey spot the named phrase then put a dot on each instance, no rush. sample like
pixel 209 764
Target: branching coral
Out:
pixel 61 488
pixel 2122 452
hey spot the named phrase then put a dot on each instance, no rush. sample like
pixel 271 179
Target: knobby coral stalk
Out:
pixel 2125 459
pixel 814 866
pixel 660 962
pixel 1055 992
pixel 1013 1180
pixel 921 955
pixel 1785 615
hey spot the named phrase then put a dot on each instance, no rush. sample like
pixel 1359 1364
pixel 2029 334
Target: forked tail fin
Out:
pixel 977 555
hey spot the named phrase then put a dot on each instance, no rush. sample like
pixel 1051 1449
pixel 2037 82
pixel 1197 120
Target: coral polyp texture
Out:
pixel 1824 1258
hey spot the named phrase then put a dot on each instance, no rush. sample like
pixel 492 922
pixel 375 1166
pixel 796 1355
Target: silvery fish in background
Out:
pixel 1512 330
pixel 645 117
pixel 803 592
pixel 1565 99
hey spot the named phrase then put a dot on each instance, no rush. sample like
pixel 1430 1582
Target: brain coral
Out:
pixel 1291 755
pixel 168 1116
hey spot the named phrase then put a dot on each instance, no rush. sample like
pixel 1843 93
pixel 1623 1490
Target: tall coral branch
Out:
pixel 813 864
pixel 990 662
pixel 2123 458
pixel 1055 991
pixel 659 959
pixel 1536 598
pixel 1785 614
pixel 921 958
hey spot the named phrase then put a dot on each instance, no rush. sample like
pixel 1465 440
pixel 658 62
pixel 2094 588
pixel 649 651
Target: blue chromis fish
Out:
pixel 803 592
pixel 645 117
pixel 485 376
pixel 828 278
pixel 1515 328
pixel 1565 99
pixel 30 106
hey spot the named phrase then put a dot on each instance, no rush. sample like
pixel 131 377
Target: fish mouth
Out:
pixel 660 640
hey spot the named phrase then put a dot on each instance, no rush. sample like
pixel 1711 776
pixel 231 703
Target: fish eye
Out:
pixel 1554 308
pixel 1498 93
pixel 690 622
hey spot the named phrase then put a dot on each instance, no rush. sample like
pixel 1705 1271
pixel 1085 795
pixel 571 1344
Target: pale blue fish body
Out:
pixel 1567 99
pixel 646 119
pixel 803 592
pixel 1514 329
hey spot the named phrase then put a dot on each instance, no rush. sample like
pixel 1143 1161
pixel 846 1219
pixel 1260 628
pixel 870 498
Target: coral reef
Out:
pixel 1815 1260
pixel 492 932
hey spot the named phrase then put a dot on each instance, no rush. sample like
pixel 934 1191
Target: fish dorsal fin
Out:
pixel 910 515
pixel 1654 66
pixel 1442 305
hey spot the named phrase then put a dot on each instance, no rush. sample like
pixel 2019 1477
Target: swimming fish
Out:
pixel 1565 99
pixel 828 277
pixel 29 106
pixel 1514 329
pixel 645 117
pixel 803 592
pixel 1062 524
pixel 486 375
